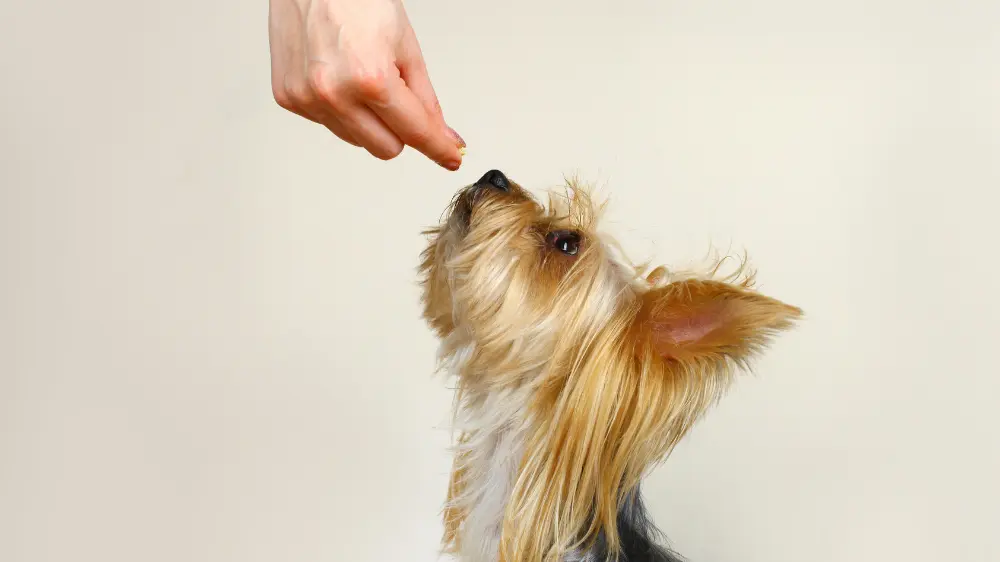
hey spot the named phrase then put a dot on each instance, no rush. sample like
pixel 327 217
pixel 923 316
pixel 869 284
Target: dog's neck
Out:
pixel 495 427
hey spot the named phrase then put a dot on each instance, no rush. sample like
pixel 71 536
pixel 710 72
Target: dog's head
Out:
pixel 619 364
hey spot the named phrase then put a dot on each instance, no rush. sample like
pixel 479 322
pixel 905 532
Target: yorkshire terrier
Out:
pixel 577 372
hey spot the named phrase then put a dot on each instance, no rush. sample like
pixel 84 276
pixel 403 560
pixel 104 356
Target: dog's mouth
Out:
pixel 465 202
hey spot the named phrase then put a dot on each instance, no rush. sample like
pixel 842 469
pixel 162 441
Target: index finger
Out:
pixel 404 113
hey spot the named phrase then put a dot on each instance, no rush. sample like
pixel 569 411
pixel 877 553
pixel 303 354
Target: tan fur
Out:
pixel 615 367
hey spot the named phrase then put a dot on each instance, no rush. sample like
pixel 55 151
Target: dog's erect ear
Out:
pixel 708 321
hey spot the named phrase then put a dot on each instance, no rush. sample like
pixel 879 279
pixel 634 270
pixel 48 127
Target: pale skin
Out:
pixel 355 67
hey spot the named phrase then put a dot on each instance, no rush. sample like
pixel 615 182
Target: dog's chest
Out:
pixel 492 456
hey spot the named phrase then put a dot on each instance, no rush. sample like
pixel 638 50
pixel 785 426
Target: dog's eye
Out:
pixel 566 241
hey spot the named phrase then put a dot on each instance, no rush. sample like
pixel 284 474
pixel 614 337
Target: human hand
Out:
pixel 355 67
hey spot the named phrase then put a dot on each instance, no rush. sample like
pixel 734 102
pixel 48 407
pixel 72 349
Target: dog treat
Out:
pixel 575 373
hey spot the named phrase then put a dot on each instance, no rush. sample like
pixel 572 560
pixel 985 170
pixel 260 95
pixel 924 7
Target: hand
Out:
pixel 355 67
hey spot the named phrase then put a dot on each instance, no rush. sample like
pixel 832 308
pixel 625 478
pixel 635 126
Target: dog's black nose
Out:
pixel 494 179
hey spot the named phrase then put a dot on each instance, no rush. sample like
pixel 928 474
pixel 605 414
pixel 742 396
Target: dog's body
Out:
pixel 575 372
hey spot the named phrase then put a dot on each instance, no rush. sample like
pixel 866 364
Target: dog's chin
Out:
pixel 461 213
pixel 462 208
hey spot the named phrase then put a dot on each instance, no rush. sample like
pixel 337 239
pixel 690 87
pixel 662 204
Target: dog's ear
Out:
pixel 704 322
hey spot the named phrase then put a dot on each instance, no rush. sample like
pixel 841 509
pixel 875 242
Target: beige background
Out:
pixel 210 347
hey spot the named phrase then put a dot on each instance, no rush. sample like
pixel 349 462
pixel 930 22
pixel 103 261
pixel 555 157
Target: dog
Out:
pixel 576 372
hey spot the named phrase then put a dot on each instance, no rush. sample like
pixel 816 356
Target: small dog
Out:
pixel 577 372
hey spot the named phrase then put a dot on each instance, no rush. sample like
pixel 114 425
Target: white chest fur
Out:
pixel 496 430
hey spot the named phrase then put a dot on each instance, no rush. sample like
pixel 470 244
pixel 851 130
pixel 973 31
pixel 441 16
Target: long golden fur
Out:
pixel 582 370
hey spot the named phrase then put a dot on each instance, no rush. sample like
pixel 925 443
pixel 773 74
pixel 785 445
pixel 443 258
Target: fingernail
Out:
pixel 458 138
pixel 452 165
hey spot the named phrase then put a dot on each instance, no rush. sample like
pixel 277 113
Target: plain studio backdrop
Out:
pixel 210 342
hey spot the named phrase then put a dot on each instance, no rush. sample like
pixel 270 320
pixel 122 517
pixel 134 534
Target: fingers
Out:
pixel 382 115
pixel 345 112
pixel 338 130
pixel 300 99
pixel 369 94
pixel 399 108
pixel 371 133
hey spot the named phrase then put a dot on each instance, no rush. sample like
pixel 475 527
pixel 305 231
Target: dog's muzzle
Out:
pixel 492 181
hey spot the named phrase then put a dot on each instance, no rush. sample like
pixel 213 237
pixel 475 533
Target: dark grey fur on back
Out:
pixel 641 541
